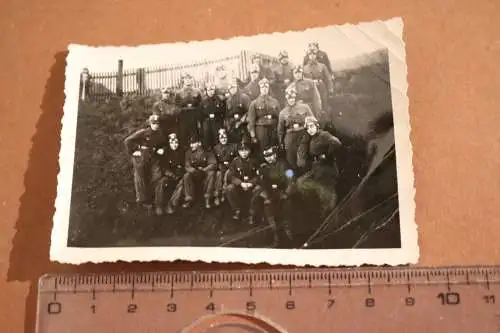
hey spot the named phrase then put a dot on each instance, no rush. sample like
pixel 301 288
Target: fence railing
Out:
pixel 148 81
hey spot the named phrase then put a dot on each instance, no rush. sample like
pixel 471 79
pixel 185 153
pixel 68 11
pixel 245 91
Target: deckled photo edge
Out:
pixel 407 254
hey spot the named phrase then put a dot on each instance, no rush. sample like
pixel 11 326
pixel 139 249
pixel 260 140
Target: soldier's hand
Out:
pixel 160 151
pixel 287 81
pixel 136 153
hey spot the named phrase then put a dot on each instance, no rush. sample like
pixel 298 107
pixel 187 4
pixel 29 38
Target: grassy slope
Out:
pixel 103 188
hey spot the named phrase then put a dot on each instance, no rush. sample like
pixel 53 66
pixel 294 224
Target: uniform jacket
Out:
pixel 283 72
pixel 241 170
pixel 174 163
pixel 200 158
pixel 318 148
pixel 318 72
pixel 188 98
pixel 212 108
pixel 238 104
pixel 225 154
pixel 321 57
pixel 263 111
pixel 308 93
pixel 147 139
pixel 292 118
pixel 169 115
pixel 252 89
pixel 273 176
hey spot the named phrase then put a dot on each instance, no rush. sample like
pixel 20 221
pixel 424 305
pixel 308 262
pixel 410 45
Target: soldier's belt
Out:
pixel 147 148
pixel 295 128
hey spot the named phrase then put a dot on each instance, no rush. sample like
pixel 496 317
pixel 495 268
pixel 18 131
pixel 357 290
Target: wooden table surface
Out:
pixel 453 49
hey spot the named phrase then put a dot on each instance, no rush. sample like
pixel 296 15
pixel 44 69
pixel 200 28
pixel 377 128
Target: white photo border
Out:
pixel 387 33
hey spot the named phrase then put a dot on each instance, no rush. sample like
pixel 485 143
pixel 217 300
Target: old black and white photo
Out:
pixel 285 148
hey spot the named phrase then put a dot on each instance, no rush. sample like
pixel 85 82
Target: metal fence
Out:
pixel 148 81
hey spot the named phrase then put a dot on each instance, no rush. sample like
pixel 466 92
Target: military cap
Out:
pixel 243 145
pixel 255 68
pixel 233 83
pixel 194 139
pixel 298 68
pixel 310 121
pixel 222 131
pixel 282 54
pixel 154 119
pixel 269 151
pixel 316 44
pixel 186 75
pixel 164 90
pixel 172 136
pixel 210 86
pixel 264 83
pixel 256 56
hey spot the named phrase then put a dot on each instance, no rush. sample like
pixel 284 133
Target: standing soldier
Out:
pixel 212 112
pixel 307 91
pixel 146 146
pixel 224 152
pixel 321 56
pixel 316 153
pixel 318 72
pixel 274 186
pixel 173 164
pixel 168 111
pixel 188 99
pixel 242 178
pixel 291 126
pixel 237 108
pixel 200 166
pixel 252 87
pixel 262 118
pixel 284 76
pixel 222 82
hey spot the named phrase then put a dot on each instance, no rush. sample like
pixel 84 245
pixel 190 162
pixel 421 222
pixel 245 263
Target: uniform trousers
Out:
pixel 147 173
pixel 191 178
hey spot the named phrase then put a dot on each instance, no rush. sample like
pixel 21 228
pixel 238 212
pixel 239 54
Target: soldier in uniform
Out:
pixel 318 72
pixel 321 56
pixel 262 118
pixel 242 178
pixel 146 146
pixel 291 125
pixel 188 99
pixel 173 166
pixel 224 152
pixel 274 187
pixel 316 153
pixel 307 91
pixel 167 110
pixel 200 166
pixel 284 76
pixel 237 108
pixel 252 87
pixel 212 113
pixel 222 82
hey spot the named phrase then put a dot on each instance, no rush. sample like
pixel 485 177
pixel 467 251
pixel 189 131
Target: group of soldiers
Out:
pixel 255 142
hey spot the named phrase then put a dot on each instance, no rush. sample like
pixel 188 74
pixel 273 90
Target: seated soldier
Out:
pixel 224 152
pixel 316 153
pixel 274 186
pixel 200 167
pixel 242 177
pixel 146 146
pixel 173 165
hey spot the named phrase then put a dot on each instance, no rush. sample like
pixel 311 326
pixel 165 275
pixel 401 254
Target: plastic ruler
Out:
pixel 424 299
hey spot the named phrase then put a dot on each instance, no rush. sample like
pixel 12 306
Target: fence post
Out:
pixel 140 77
pixel 84 83
pixel 119 79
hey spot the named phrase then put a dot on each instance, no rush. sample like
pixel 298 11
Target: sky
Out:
pixel 340 42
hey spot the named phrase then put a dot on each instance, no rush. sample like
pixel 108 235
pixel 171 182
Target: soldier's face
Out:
pixel 264 90
pixel 312 129
pixel 210 92
pixel 154 126
pixel 244 153
pixel 297 75
pixel 270 158
pixel 312 56
pixel 164 95
pixel 254 76
pixel 313 48
pixel 290 99
pixel 284 60
pixel 194 145
pixel 233 89
pixel 174 144
pixel 223 139
pixel 188 81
